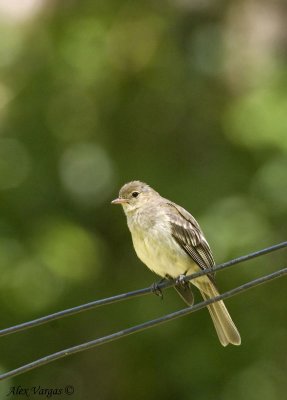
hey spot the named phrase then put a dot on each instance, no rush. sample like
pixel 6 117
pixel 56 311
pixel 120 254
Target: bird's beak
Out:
pixel 119 201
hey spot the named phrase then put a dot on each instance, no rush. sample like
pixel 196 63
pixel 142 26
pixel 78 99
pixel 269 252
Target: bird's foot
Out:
pixel 180 281
pixel 156 289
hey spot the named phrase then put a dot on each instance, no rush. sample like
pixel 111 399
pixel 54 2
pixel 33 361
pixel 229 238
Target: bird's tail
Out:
pixel 225 327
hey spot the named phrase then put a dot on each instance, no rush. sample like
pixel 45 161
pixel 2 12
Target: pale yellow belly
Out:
pixel 163 257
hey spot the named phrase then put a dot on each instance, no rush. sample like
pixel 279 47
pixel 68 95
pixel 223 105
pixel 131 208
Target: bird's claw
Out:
pixel 180 281
pixel 156 289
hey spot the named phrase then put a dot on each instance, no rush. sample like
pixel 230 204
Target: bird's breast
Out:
pixel 157 249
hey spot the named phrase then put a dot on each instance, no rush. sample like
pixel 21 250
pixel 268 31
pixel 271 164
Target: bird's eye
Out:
pixel 135 194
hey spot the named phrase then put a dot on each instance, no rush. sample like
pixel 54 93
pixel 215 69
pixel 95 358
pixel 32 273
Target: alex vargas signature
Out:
pixel 39 391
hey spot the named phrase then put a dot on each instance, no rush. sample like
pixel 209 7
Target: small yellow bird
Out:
pixel 170 242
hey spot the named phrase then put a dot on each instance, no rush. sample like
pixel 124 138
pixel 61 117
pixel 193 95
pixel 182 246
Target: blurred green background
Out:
pixel 187 95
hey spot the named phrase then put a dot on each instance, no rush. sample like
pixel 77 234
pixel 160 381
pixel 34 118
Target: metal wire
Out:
pixel 135 293
pixel 141 327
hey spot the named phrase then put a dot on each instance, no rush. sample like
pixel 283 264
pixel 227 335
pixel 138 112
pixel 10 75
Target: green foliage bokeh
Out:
pixel 188 96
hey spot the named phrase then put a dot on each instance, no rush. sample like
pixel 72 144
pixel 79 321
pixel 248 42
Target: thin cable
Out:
pixel 135 293
pixel 141 327
pixel 237 260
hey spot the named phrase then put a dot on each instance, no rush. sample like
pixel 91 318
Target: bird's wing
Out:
pixel 187 233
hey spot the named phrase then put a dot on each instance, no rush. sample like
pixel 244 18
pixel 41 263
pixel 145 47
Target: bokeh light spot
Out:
pixel 30 285
pixel 84 48
pixel 87 173
pixel 26 284
pixel 207 50
pixel 234 225
pixel 20 10
pixel 68 250
pixel 259 119
pixel 271 183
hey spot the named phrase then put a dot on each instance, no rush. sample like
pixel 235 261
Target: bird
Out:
pixel 170 242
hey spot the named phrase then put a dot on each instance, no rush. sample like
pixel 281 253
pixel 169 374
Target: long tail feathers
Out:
pixel 225 327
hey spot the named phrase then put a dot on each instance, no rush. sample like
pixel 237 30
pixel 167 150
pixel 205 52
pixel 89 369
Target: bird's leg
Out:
pixel 180 281
pixel 156 289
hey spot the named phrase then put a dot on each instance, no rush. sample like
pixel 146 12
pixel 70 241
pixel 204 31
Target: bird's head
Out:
pixel 134 195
